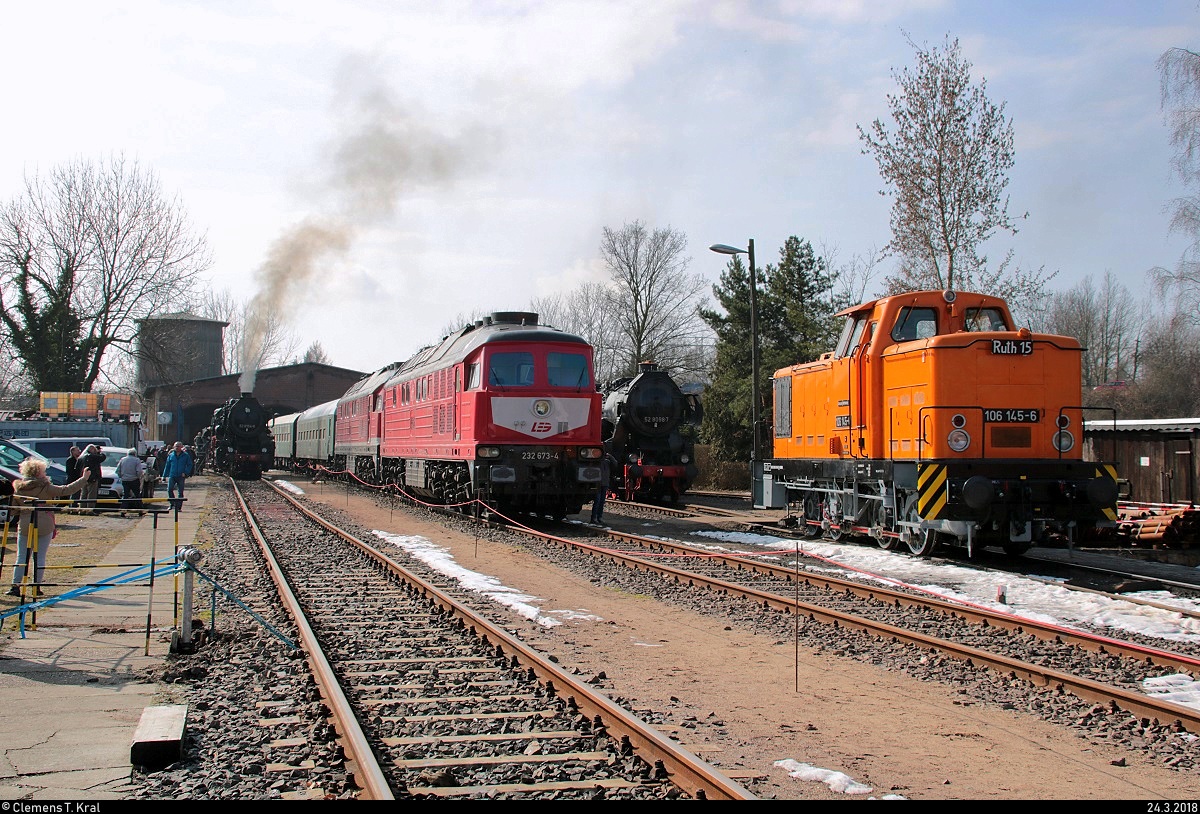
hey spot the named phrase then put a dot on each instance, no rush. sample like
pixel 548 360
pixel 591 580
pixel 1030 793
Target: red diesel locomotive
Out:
pixel 504 410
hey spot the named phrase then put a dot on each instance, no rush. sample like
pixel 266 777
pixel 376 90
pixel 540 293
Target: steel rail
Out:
pixel 360 758
pixel 1134 703
pixel 689 772
pixel 975 615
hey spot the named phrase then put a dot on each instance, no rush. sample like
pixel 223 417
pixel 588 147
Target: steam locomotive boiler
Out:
pixel 240 442
pixel 649 426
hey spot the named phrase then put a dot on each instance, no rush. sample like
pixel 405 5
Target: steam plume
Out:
pixel 284 278
pixel 384 152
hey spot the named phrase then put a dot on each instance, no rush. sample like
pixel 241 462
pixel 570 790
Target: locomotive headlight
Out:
pixel 958 440
pixel 489 452
pixel 1063 441
pixel 685 459
pixel 590 453
pixel 1062 422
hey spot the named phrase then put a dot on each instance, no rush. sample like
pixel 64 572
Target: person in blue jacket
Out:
pixel 176 470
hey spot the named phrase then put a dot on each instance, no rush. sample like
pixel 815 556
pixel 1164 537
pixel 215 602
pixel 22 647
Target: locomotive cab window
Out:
pixel 984 319
pixel 915 323
pixel 567 370
pixel 473 376
pixel 852 334
pixel 513 369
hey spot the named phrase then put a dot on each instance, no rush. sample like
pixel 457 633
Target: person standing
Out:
pixel 92 463
pixel 129 470
pixel 35 485
pixel 607 464
pixel 149 477
pixel 176 470
pixel 74 468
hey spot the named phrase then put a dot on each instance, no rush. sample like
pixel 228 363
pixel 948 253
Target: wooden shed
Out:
pixel 1156 459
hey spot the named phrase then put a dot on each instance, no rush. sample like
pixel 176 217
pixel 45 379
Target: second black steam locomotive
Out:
pixel 238 439
pixel 649 425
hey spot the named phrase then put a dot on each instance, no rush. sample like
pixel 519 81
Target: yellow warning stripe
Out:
pixel 931 490
pixel 1109 471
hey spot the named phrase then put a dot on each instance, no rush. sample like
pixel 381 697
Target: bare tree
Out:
pixel 279 342
pixel 1180 81
pixel 1169 380
pixel 584 312
pixel 460 321
pixel 86 252
pixel 17 391
pixel 1108 321
pixel 654 300
pixel 852 278
pixel 947 165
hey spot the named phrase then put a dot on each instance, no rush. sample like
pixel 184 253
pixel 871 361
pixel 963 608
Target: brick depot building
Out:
pixel 178 410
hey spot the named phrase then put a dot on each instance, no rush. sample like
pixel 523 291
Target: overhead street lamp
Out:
pixel 756 494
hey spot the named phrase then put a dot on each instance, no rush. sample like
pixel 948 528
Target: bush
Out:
pixel 720 476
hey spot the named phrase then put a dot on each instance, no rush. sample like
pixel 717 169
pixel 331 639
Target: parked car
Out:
pixel 59 449
pixel 12 453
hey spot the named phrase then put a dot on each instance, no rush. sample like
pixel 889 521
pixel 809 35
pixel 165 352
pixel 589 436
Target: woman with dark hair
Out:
pixel 36 486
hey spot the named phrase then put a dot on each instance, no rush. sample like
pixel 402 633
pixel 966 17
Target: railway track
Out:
pixel 690 510
pixel 432 699
pixel 1098 669
pixel 1041 674
pixel 1105 725
pixel 1079 576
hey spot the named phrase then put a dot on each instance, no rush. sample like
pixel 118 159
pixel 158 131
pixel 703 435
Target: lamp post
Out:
pixel 755 473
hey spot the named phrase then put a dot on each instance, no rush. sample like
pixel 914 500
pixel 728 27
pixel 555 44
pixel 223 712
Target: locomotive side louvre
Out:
pixel 933 416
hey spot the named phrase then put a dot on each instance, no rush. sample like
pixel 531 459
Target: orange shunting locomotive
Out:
pixel 935 420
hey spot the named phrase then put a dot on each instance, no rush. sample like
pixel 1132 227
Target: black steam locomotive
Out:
pixel 239 441
pixel 649 426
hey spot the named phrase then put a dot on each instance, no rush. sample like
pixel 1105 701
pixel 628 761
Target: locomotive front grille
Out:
pixel 1011 438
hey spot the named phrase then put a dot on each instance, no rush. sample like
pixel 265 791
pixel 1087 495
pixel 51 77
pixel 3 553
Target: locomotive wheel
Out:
pixel 833 513
pixel 881 522
pixel 812 511
pixel 921 542
pixel 888 543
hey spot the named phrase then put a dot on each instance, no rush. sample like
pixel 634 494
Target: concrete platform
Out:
pixel 72 687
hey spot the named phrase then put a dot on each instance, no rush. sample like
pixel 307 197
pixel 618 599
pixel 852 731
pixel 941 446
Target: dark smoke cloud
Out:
pixel 293 262
pixel 383 153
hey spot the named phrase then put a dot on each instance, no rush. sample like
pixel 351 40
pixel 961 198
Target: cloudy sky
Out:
pixel 468 154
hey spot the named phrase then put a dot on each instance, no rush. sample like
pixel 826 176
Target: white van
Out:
pixel 59 449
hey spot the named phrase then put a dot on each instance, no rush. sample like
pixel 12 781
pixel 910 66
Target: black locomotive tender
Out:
pixel 649 426
pixel 239 441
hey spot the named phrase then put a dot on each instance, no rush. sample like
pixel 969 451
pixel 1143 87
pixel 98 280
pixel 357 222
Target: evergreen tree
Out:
pixel 796 322
pixel 45 330
pixel 727 398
